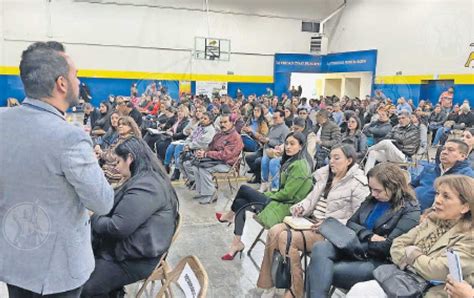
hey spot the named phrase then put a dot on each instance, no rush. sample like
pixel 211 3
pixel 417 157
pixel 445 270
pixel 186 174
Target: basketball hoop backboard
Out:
pixel 209 48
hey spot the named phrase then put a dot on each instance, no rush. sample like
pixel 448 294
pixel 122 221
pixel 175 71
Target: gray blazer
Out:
pixel 49 177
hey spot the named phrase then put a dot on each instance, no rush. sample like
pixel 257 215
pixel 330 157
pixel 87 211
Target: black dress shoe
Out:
pixel 208 199
pixel 176 175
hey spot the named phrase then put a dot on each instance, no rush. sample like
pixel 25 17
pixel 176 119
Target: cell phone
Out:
pixel 454 265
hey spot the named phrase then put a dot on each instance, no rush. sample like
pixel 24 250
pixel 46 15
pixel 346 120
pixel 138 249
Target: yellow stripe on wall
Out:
pixel 9 70
pixel 119 74
pixel 467 79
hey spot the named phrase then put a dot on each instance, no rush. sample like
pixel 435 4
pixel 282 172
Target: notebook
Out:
pixel 298 223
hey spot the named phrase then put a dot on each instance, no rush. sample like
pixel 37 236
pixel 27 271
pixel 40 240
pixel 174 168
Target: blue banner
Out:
pixel 350 61
pixel 297 63
pixel 285 64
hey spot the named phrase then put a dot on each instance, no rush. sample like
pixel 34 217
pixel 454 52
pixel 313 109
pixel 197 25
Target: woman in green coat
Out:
pixel 295 183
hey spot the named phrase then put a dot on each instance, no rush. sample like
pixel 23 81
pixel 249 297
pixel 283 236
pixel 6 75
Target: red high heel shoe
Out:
pixel 230 257
pixel 219 216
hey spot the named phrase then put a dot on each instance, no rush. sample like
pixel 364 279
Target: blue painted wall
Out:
pixel 248 88
pixel 416 93
pixel 11 86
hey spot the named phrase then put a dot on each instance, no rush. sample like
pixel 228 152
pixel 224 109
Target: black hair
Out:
pixel 143 158
pixel 303 154
pixel 280 112
pixel 261 118
pixel 209 115
pixel 41 65
pixel 349 152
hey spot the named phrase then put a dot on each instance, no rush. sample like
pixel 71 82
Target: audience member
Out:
pixel 340 188
pixel 390 211
pixel 199 139
pixel 355 137
pixel 223 152
pixel 101 124
pixel 47 188
pixel 303 113
pixel 377 130
pixel 254 130
pixel 447 226
pixel 296 182
pixel 468 138
pixel 452 161
pixel 403 106
pixel 326 134
pixel 174 133
pixel 415 120
pixel 272 152
pixel 130 240
pixel 436 120
pixel 446 99
pixel 91 115
pixel 126 128
pixel 111 136
pixel 176 147
pixel 126 108
pixel 402 142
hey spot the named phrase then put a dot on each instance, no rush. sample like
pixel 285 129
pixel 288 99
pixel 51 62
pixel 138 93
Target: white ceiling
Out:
pixel 299 9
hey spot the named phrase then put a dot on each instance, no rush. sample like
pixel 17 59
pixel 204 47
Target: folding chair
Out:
pixel 198 272
pixel 233 173
pixel 162 269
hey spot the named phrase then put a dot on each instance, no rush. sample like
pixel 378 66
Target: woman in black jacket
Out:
pixel 102 124
pixel 173 133
pixel 355 137
pixel 390 211
pixel 130 240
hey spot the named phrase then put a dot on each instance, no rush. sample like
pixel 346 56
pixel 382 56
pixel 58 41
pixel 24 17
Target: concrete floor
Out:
pixel 203 236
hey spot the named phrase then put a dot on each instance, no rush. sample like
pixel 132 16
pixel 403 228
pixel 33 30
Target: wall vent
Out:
pixel 310 27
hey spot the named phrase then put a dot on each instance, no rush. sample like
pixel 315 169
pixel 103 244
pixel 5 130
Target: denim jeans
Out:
pixel 250 145
pixel 173 150
pixel 439 134
pixel 271 166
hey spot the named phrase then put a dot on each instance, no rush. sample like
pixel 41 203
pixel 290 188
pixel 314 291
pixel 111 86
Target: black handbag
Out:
pixel 343 238
pixel 206 162
pixel 281 267
pixel 399 283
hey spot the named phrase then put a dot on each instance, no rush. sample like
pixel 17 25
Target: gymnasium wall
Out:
pixel 125 43
pixel 422 40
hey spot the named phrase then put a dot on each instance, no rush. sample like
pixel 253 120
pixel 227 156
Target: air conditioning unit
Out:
pixel 319 44
pixel 310 26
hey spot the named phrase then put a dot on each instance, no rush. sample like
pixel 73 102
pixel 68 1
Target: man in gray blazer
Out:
pixel 49 178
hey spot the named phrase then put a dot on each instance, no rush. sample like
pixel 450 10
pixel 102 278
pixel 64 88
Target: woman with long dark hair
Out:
pixel 390 211
pixel 126 128
pixel 339 190
pixel 102 124
pixel 355 137
pixel 296 182
pixel 112 135
pixel 130 240
pixel 254 130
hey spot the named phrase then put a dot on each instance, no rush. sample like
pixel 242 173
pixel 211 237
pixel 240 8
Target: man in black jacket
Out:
pixel 402 142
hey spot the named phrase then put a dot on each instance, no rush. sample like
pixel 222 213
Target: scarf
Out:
pixel 425 244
